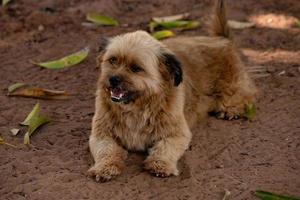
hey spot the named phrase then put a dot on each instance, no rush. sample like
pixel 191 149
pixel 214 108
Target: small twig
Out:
pixel 8 144
pixel 226 195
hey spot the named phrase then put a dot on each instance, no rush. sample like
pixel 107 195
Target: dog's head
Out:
pixel 135 65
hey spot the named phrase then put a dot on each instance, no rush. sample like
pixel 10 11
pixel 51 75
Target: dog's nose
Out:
pixel 114 81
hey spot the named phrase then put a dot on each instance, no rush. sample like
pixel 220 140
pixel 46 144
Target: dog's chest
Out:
pixel 134 132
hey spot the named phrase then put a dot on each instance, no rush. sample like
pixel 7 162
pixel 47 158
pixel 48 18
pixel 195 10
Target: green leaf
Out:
pixel 183 24
pixel 67 61
pixel 250 111
pixel 263 195
pixel 162 34
pixel 34 120
pixel 191 25
pixel 15 86
pixel 101 19
pixel 35 111
pixel 4 2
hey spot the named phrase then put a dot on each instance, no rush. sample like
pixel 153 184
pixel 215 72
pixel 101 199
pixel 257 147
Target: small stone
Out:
pixel 41 28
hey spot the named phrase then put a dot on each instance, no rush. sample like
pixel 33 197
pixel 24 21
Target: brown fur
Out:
pixel 160 117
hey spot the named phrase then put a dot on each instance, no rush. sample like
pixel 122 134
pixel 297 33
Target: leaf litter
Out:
pixel 67 61
pixel 36 92
pixel 171 18
pixel 101 19
pixel 240 25
pixel 34 120
pixel 162 34
pixel 264 195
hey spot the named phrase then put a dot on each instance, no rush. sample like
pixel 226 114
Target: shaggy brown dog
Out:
pixel 150 94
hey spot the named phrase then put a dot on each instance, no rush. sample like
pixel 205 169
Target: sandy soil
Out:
pixel 239 156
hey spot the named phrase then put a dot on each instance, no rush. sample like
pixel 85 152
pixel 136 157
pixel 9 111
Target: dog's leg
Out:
pixel 235 95
pixel 108 156
pixel 163 156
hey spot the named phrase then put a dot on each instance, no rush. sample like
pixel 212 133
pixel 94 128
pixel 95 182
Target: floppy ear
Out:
pixel 174 67
pixel 102 44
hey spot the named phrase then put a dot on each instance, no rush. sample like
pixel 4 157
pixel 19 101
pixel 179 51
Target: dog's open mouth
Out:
pixel 120 95
pixel 117 94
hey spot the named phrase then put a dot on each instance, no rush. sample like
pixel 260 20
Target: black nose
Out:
pixel 114 81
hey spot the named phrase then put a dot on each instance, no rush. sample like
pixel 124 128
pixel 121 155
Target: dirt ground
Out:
pixel 239 156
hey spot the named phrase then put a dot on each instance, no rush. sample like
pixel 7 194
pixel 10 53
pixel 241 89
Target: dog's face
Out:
pixel 135 65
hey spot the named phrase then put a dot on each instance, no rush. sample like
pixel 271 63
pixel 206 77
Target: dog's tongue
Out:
pixel 117 93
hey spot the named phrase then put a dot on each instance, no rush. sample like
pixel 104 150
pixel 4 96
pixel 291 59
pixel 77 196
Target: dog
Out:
pixel 150 94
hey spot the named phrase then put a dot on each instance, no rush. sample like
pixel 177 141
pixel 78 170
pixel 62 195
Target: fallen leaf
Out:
pixel 239 25
pixel 15 86
pixel 298 23
pixel 226 195
pixel 35 92
pixel 101 19
pixel 35 111
pixel 4 2
pixel 34 120
pixel 191 25
pixel 14 131
pixel 271 196
pixel 183 24
pixel 67 61
pixel 250 111
pixel 170 18
pixel 162 34
pixel 2 142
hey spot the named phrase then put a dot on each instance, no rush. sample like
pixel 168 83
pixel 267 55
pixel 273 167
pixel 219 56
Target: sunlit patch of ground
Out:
pixel 268 56
pixel 278 21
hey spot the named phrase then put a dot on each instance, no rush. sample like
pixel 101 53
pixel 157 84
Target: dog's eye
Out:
pixel 113 60
pixel 135 68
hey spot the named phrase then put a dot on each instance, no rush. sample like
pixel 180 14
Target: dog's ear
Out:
pixel 174 67
pixel 102 44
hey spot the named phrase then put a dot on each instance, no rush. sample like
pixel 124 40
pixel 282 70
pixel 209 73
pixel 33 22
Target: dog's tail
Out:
pixel 219 26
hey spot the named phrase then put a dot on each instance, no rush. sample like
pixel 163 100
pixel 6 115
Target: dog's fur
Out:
pixel 177 82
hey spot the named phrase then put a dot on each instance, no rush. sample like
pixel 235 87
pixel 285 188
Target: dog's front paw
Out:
pixel 104 173
pixel 161 168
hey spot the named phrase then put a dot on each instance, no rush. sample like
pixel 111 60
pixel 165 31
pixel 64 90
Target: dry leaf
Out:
pixel 101 19
pixel 34 120
pixel 35 92
pixel 67 61
pixel 171 18
pixel 240 25
pixel 14 131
